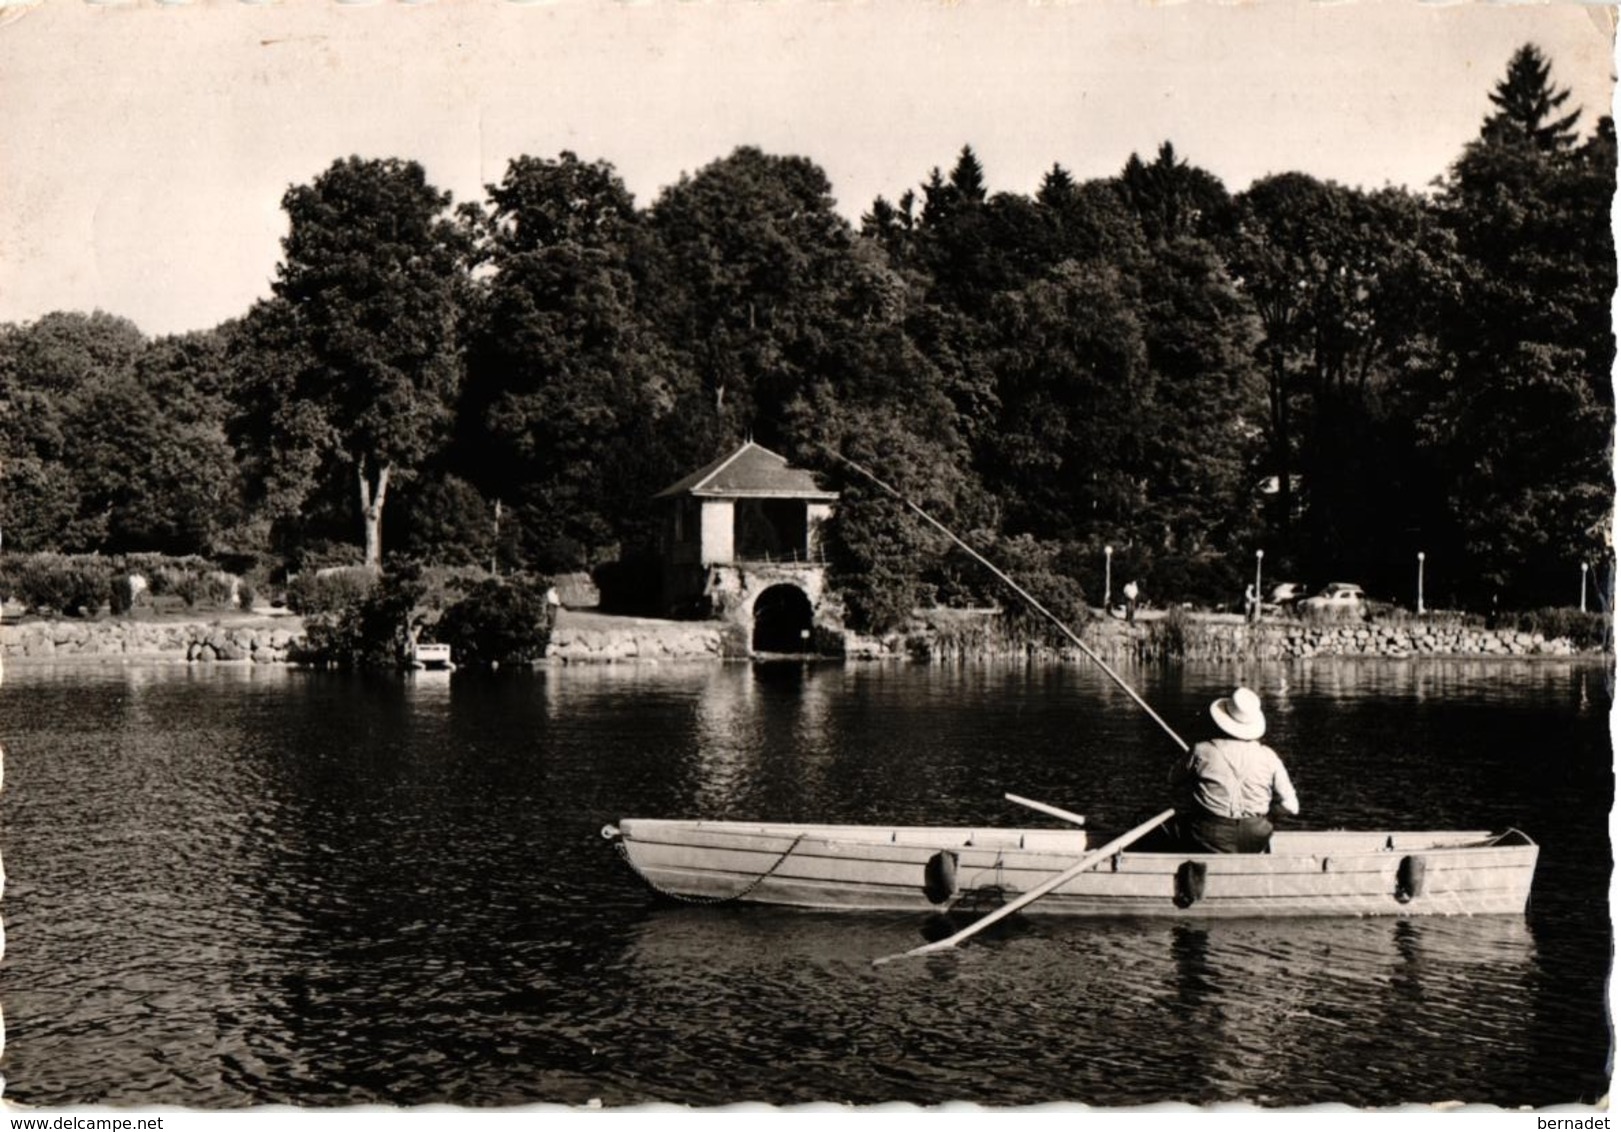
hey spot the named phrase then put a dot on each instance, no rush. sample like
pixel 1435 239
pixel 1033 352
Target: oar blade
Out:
pixel 924 949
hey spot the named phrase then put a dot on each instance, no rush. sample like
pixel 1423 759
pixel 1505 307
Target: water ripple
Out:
pixel 327 891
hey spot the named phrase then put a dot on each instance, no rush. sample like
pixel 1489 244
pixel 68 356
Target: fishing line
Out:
pixel 1016 588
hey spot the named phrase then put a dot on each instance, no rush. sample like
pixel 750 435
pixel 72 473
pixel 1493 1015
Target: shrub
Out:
pixel 499 621
pixel 64 583
pixel 210 589
pixel 1584 630
pixel 1171 636
pixel 372 630
pixel 246 594
pixel 317 592
pixel 1047 572
pixel 60 583
pixel 882 598
pixel 195 581
pixel 323 554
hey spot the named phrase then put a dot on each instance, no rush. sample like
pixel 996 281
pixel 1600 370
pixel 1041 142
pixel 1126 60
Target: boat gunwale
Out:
pixel 1298 844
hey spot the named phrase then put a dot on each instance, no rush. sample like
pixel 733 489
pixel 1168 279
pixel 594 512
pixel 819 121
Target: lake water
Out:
pixel 242 886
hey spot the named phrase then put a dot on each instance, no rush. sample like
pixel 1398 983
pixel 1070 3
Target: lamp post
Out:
pixel 495 541
pixel 1421 582
pixel 1108 556
pixel 1259 554
pixel 1584 587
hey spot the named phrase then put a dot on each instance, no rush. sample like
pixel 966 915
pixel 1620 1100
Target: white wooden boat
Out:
pixel 923 868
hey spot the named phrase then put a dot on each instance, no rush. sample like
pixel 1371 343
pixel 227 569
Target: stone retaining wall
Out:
pixel 1213 638
pixel 151 640
pixel 1416 639
pixel 643 640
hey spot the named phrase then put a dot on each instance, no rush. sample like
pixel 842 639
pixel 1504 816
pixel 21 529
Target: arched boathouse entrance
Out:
pixel 783 621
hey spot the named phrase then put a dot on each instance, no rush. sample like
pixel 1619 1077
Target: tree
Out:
pixel 879 399
pixel 1203 436
pixel 569 385
pixel 1527 104
pixel 1172 198
pixel 45 368
pixel 112 443
pixel 192 495
pixel 752 262
pixel 892 225
pixel 153 478
pixel 361 358
pixel 1348 286
pixel 1520 419
pixel 1071 374
pixel 1057 188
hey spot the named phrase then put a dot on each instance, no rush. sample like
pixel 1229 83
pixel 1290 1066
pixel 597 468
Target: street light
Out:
pixel 1259 554
pixel 1584 587
pixel 1421 582
pixel 1108 555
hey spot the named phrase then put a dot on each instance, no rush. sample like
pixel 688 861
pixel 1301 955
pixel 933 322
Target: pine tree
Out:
pixel 1057 188
pixel 1526 103
pixel 1521 426
pixel 968 177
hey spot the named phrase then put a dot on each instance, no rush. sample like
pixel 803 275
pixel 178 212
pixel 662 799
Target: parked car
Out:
pixel 1336 601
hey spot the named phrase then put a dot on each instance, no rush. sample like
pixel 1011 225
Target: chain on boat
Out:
pixel 613 834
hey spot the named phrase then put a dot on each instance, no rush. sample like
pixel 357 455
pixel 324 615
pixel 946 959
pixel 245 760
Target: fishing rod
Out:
pixel 1016 588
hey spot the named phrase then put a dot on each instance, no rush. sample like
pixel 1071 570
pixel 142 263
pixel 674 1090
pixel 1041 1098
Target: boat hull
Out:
pixel 872 868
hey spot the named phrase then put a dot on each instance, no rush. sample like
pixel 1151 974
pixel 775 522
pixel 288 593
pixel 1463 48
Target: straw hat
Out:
pixel 1240 715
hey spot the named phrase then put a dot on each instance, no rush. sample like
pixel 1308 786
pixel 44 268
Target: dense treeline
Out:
pixel 1339 377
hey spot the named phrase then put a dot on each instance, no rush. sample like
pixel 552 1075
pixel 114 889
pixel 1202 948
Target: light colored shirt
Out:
pixel 1233 778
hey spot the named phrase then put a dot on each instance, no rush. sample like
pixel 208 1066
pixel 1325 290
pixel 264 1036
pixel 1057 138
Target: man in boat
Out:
pixel 1227 786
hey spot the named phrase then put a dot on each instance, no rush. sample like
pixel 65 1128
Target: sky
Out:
pixel 145 147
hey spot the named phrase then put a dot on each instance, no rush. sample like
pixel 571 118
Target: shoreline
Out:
pixel 588 638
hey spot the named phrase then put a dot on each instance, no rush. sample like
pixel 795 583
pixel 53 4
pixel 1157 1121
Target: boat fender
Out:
pixel 940 877
pixel 610 832
pixel 1409 878
pixel 1190 877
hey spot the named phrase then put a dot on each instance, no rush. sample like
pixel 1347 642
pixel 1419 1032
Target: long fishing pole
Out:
pixel 1016 588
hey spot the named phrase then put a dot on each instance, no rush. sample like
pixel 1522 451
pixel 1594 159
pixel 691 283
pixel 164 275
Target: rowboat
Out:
pixel 934 868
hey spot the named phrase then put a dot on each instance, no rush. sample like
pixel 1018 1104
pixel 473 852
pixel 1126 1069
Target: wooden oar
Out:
pixel 1035 893
pixel 1043 807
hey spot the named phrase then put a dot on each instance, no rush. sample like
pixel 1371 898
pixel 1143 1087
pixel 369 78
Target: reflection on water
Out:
pixel 243 886
pixel 1355 1010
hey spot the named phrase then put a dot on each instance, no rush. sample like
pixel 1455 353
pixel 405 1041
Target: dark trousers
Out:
pixel 1208 833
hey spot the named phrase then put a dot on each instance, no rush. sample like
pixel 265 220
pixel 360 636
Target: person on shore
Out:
pixel 1228 786
pixel 1131 592
pixel 1252 604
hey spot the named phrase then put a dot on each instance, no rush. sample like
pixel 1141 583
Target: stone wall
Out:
pixel 1408 639
pixel 259 642
pixel 977 635
pixel 643 639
